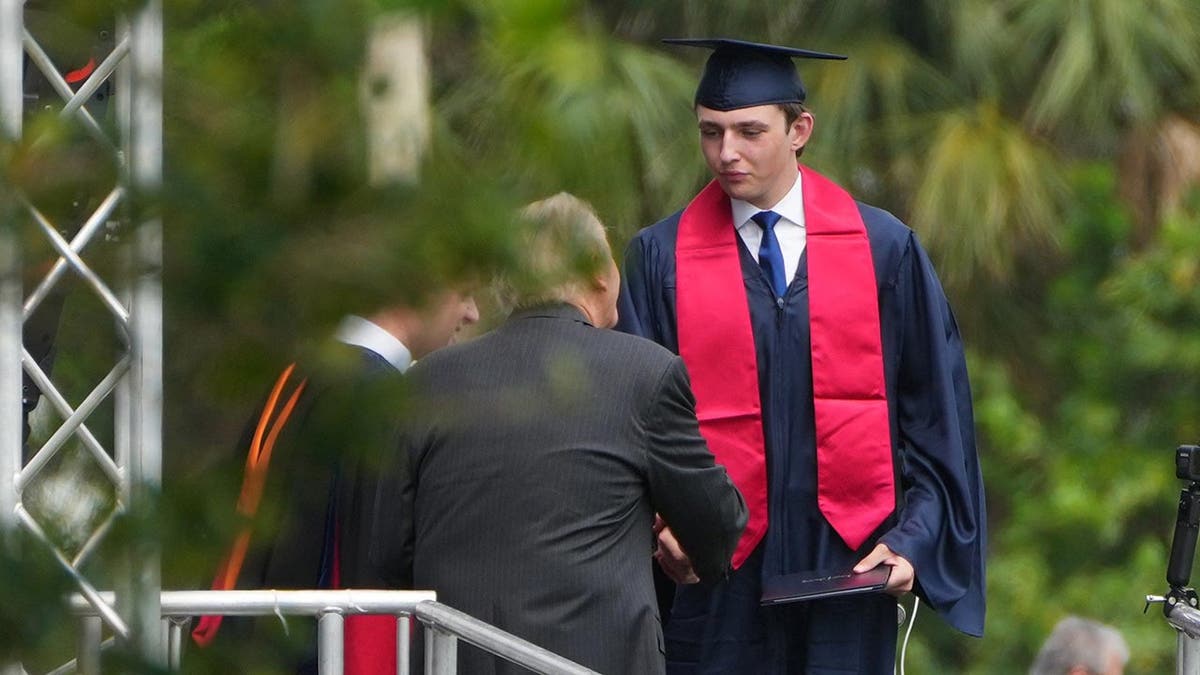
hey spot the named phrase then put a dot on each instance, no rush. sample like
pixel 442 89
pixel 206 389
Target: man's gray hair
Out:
pixel 1078 642
pixel 564 245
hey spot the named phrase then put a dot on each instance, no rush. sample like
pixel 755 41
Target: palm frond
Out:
pixel 988 192
pixel 1098 63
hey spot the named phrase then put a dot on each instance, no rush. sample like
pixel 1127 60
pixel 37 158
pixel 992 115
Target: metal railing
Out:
pixel 1186 620
pixel 1182 615
pixel 444 627
pixel 127 462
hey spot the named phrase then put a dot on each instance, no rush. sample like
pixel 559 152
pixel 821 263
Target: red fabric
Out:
pixel 370 644
pixel 206 629
pixel 716 343
pixel 81 74
pixel 368 640
pixel 855 480
pixel 855 484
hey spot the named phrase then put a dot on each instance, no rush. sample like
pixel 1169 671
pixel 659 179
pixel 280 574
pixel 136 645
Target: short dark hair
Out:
pixel 791 113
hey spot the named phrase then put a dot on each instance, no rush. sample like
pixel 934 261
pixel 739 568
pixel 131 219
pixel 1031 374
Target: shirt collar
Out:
pixel 357 331
pixel 791 207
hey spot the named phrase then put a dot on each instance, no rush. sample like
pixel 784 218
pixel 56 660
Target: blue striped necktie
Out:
pixel 770 256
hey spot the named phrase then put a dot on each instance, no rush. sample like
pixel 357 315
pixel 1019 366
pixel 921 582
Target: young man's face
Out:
pixel 447 314
pixel 752 151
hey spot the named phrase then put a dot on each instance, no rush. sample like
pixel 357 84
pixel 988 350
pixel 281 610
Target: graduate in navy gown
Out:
pixel 830 380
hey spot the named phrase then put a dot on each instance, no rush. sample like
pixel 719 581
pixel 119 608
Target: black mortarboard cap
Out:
pixel 741 74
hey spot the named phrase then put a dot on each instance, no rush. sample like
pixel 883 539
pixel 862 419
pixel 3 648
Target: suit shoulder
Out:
pixel 638 352
pixel 636 365
pixel 445 357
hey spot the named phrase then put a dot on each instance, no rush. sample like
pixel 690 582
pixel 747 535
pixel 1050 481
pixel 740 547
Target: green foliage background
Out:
pixel 1002 132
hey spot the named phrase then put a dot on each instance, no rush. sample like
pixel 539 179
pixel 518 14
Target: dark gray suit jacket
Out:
pixel 537 456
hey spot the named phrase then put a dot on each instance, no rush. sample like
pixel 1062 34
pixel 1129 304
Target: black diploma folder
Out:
pixel 803 586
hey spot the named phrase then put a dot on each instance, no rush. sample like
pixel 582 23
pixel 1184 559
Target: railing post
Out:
pixel 87 645
pixel 1187 655
pixel 11 107
pixel 175 627
pixel 403 643
pixel 330 642
pixel 143 171
pixel 441 652
pixel 12 86
pixel 445 627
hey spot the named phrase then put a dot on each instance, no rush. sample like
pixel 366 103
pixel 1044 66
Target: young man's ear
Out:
pixel 801 130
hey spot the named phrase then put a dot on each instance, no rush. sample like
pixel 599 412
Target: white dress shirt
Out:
pixel 357 331
pixel 789 230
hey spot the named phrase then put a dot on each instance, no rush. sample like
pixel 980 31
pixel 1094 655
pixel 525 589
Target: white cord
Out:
pixel 912 620
pixel 279 613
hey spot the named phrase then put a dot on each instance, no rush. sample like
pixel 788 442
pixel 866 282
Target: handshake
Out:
pixel 671 557
pixel 676 564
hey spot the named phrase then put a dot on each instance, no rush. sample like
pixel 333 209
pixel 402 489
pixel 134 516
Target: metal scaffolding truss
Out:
pixel 130 463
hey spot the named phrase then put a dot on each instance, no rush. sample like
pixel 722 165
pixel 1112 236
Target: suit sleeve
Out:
pixel 389 526
pixel 692 493
pixel 942 528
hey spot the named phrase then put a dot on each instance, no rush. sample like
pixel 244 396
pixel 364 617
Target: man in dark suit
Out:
pixel 342 425
pixel 536 460
pixel 321 433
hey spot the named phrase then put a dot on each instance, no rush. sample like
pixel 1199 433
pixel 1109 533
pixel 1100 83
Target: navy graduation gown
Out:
pixel 324 455
pixel 323 471
pixel 939 524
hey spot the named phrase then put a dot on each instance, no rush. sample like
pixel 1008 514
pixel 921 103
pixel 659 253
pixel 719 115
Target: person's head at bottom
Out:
pixel 1079 646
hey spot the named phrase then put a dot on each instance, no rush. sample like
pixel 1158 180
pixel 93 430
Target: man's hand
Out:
pixel 671 558
pixel 903 574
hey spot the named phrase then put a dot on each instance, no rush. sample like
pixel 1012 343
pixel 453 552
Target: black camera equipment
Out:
pixel 1183 545
pixel 1180 605
pixel 1187 520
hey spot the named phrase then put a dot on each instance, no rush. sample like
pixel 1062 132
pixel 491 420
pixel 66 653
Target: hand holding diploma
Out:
pixel 903 574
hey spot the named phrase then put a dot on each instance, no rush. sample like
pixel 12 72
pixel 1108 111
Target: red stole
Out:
pixel 855 484
pixel 717 345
